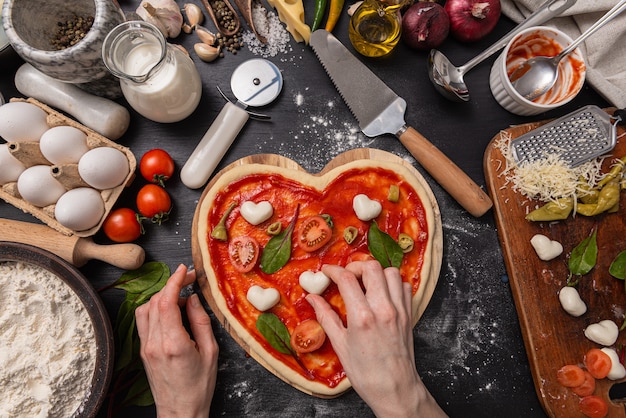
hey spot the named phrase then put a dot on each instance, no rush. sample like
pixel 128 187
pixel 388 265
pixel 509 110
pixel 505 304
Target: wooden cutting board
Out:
pixel 277 160
pixel 551 336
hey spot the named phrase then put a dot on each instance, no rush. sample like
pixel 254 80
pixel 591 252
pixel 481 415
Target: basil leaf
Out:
pixel 275 332
pixel 584 256
pixel 617 268
pixel 126 335
pixel 139 393
pixel 277 251
pixel 384 248
pixel 146 280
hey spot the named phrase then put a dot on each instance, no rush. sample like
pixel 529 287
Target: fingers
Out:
pixel 200 324
pixel 328 319
pixel 347 282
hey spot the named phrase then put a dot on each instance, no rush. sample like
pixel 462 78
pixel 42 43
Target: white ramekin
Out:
pixel 531 42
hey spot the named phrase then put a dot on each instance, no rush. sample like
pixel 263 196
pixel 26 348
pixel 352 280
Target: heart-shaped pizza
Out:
pixel 263 231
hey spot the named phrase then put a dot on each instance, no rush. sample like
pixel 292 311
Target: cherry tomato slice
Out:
pixel 308 336
pixel 122 225
pixel 314 233
pixel 156 166
pixel 154 203
pixel 243 253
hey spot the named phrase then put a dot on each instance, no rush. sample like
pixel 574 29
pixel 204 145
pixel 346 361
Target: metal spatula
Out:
pixel 577 137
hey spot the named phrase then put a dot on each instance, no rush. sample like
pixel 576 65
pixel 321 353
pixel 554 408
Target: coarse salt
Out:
pixel 269 26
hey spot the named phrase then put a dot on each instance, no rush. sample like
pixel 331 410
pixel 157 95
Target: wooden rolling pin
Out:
pixel 73 249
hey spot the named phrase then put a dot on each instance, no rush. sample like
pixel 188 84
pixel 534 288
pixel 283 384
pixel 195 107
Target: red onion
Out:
pixel 471 20
pixel 425 25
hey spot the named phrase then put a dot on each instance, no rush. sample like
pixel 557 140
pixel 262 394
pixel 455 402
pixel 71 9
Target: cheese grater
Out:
pixel 577 137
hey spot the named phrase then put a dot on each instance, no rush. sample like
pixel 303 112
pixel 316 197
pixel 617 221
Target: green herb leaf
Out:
pixel 277 251
pixel 617 268
pixel 584 256
pixel 144 281
pixel 126 336
pixel 139 393
pixel 275 332
pixel 140 285
pixel 384 248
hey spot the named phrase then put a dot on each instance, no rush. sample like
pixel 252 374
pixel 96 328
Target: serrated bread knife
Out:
pixel 380 111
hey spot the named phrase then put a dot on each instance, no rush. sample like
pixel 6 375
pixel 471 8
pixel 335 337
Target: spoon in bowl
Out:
pixel 448 79
pixel 537 75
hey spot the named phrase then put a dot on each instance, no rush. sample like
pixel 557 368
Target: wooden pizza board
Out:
pixel 551 336
pixel 279 161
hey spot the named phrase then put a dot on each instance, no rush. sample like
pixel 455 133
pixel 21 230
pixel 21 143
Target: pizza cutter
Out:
pixel 255 82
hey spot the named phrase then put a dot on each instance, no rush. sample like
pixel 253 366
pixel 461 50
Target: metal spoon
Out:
pixel 448 79
pixel 538 74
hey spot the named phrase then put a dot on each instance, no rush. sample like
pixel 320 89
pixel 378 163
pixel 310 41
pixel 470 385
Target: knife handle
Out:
pixel 124 256
pixel 454 180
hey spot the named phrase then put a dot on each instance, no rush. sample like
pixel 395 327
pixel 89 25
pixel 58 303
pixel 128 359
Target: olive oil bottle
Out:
pixel 375 27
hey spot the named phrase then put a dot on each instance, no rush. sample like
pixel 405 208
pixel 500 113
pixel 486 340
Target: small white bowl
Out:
pixel 540 40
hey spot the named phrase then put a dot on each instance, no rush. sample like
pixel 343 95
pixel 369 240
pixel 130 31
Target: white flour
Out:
pixel 47 344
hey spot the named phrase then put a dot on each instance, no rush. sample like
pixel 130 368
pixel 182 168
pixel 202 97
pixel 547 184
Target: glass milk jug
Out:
pixel 375 27
pixel 158 79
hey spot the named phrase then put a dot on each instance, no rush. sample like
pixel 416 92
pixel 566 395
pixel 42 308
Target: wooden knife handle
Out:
pixel 124 256
pixel 454 180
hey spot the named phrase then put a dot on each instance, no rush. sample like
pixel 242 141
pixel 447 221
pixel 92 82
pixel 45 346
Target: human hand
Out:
pixel 181 372
pixel 376 346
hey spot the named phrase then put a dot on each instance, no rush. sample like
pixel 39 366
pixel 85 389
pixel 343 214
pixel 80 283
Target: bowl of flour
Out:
pixel 56 340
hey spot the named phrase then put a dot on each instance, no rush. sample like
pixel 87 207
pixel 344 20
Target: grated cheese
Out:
pixel 548 178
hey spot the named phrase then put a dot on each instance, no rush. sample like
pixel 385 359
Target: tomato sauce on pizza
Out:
pixel 289 197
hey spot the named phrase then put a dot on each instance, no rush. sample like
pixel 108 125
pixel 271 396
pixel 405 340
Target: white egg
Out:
pixel 79 209
pixel 10 167
pixel 103 167
pixel 22 121
pixel 37 186
pixel 63 144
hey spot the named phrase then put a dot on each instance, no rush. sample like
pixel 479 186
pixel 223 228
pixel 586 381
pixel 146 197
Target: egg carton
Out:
pixel 67 174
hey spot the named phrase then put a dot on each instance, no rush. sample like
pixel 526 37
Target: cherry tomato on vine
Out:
pixel 243 253
pixel 308 336
pixel 122 225
pixel 314 233
pixel 156 166
pixel 154 203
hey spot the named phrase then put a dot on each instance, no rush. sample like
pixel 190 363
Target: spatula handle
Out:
pixel 454 180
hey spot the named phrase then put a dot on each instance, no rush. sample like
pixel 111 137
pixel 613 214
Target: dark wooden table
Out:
pixel 468 345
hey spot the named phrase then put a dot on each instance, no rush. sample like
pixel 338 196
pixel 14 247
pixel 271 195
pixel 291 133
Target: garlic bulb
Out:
pixel 164 14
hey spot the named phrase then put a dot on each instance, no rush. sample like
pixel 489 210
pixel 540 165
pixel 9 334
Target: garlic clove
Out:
pixel 194 15
pixel 206 53
pixel 182 48
pixel 186 28
pixel 205 35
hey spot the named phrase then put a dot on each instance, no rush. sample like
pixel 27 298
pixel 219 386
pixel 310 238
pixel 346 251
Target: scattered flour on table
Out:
pixel 318 136
pixel 469 332
pixel 47 344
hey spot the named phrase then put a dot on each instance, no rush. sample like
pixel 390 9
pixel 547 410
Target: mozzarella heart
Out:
pixel 255 213
pixel 263 299
pixel 604 332
pixel 314 283
pixel 617 371
pixel 365 208
pixel 571 301
pixel 546 248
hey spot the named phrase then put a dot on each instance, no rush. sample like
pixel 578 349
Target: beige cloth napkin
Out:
pixel 604 51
